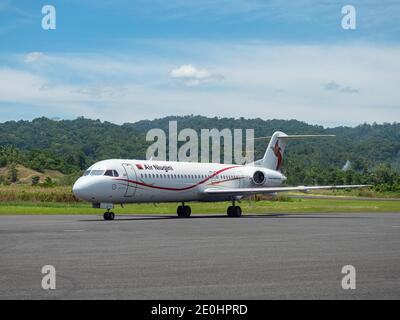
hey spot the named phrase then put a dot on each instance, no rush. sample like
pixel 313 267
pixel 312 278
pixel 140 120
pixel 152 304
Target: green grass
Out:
pixel 363 193
pixel 293 205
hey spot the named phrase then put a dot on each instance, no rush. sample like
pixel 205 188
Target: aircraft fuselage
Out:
pixel 136 181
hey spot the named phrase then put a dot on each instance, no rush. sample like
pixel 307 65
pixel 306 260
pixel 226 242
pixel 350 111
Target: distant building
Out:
pixel 347 166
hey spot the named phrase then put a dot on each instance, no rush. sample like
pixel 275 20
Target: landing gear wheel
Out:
pixel 238 211
pixel 179 211
pixel 234 211
pixel 188 211
pixel 109 216
pixel 184 211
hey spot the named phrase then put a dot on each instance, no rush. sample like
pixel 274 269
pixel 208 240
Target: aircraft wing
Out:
pixel 252 191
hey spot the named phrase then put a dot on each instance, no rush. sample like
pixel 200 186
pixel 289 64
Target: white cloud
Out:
pixel 189 71
pixel 193 76
pixel 33 56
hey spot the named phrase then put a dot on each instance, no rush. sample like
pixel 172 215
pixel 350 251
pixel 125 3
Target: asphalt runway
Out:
pixel 274 256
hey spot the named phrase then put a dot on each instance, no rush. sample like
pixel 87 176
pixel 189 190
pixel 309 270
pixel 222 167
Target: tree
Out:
pixel 13 173
pixel 48 182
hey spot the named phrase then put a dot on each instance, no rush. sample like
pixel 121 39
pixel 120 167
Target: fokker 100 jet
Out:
pixel 117 181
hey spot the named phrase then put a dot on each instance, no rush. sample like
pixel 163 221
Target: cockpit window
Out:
pixel 109 173
pixel 97 172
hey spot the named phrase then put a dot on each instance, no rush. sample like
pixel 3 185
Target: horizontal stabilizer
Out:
pixel 297 136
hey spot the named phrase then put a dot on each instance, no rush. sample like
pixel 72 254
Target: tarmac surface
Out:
pixel 272 256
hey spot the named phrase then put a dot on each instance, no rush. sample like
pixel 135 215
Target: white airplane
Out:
pixel 118 181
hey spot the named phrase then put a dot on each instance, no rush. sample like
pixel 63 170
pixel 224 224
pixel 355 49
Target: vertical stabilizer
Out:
pixel 273 157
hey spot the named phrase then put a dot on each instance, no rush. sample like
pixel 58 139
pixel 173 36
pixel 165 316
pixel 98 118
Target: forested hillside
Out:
pixel 72 145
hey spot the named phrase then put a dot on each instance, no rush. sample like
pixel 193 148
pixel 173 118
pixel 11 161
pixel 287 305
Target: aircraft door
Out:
pixel 131 185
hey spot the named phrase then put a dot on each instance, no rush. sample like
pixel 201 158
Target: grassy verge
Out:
pixel 363 193
pixel 295 205
pixel 27 193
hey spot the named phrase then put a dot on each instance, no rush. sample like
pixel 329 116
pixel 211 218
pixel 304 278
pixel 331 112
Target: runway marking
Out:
pixel 74 230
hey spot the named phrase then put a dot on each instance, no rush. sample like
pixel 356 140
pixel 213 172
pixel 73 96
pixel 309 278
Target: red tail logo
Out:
pixel 278 153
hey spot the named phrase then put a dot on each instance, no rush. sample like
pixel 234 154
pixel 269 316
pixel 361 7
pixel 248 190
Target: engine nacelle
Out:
pixel 259 177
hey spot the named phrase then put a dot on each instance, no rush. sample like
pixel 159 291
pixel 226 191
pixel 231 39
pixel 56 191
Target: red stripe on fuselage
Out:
pixel 179 189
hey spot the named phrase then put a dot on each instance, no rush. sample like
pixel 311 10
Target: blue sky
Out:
pixel 124 61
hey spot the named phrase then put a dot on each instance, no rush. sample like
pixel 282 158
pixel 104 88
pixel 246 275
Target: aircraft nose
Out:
pixel 80 190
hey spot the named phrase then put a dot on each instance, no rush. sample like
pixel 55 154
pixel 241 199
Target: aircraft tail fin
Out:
pixel 273 156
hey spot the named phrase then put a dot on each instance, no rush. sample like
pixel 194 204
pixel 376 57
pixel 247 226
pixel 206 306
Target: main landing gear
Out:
pixel 109 215
pixel 183 211
pixel 234 211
